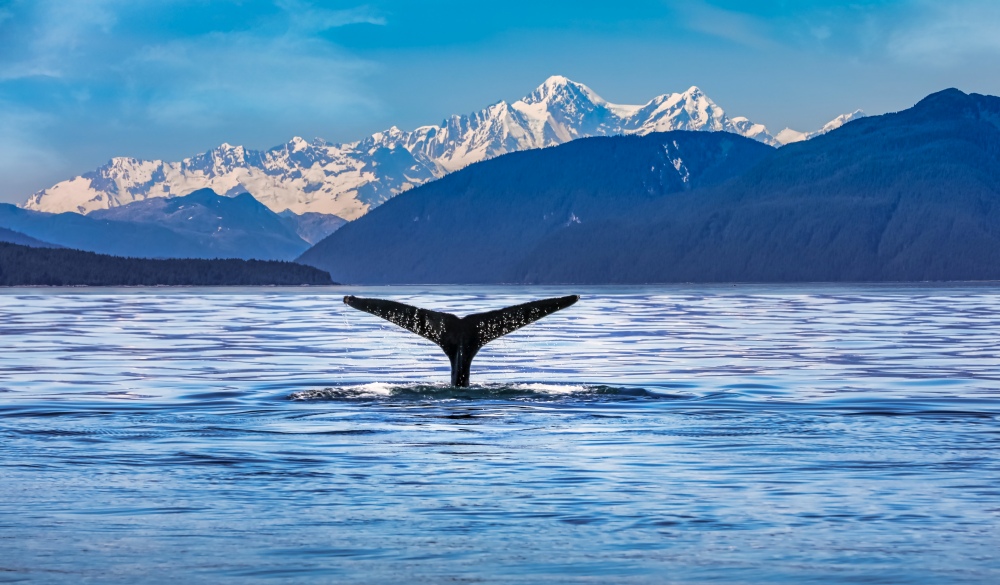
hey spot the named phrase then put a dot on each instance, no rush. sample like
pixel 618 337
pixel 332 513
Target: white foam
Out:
pixel 551 388
pixel 370 390
pixel 377 390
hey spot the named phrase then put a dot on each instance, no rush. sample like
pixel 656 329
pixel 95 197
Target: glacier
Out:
pixel 349 179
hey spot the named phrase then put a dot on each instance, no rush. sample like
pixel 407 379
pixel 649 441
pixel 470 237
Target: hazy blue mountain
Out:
pixel 13 237
pixel 199 225
pixel 476 225
pixel 72 230
pixel 220 227
pixel 909 196
pixel 311 226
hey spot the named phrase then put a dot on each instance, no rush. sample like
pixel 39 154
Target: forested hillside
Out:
pixel 27 266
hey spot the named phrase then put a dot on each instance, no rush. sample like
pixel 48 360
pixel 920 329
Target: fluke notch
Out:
pixel 460 337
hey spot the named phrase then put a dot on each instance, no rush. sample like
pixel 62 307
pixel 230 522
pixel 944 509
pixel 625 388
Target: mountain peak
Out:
pixel 297 144
pixel 556 80
pixel 946 99
pixel 559 88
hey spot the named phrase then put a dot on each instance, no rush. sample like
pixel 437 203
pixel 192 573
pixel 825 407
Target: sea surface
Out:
pixel 668 434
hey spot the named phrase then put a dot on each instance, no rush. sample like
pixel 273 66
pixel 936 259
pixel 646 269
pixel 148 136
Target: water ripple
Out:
pixel 744 434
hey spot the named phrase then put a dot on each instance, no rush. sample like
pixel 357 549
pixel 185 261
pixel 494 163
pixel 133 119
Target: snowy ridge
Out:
pixel 788 136
pixel 300 176
pixel 349 179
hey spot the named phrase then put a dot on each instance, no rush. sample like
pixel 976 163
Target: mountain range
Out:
pixel 907 196
pixel 349 179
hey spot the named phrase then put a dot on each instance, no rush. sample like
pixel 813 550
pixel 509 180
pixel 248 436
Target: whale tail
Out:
pixel 460 337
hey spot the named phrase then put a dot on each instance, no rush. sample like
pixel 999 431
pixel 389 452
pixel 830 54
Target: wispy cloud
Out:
pixel 213 78
pixel 59 33
pixel 922 32
pixel 279 67
pixel 943 33
pixel 210 79
pixel 305 17
pixel 109 76
pixel 734 26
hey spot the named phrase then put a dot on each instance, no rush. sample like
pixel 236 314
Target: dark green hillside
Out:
pixel 27 266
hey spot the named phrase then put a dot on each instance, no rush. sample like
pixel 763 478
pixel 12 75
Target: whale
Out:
pixel 461 338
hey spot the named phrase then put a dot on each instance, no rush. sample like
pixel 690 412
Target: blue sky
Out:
pixel 84 80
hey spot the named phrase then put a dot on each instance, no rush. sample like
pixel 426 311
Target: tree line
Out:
pixel 26 266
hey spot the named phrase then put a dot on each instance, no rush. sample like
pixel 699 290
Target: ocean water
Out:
pixel 672 434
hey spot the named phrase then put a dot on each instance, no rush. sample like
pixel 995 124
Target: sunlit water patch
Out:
pixel 822 434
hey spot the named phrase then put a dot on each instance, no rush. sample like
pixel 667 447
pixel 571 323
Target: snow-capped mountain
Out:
pixel 788 136
pixel 349 179
pixel 301 176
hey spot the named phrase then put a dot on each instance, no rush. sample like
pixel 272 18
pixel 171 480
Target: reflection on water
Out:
pixel 646 435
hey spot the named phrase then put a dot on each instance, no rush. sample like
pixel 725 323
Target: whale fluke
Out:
pixel 460 337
